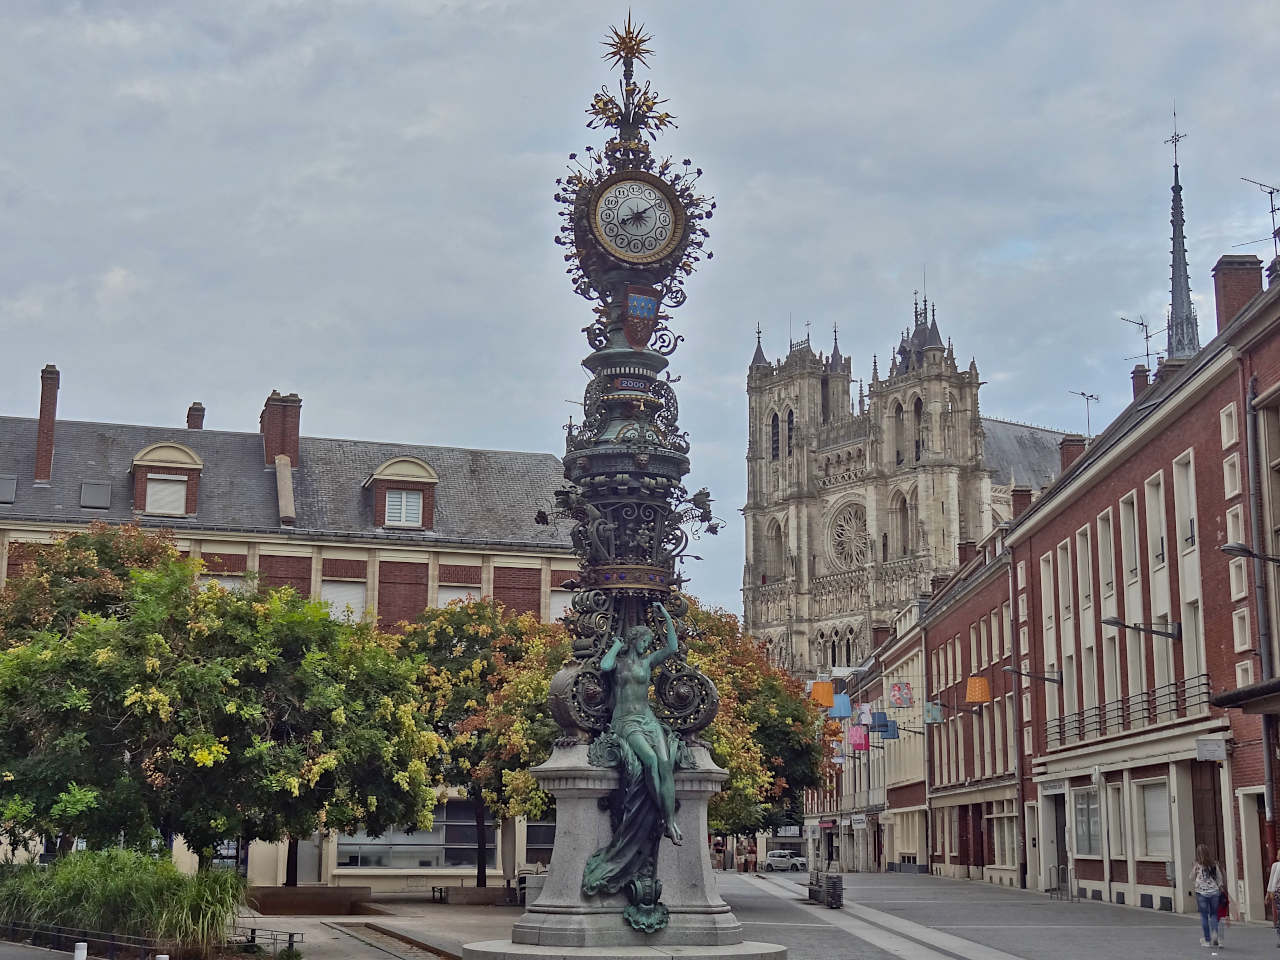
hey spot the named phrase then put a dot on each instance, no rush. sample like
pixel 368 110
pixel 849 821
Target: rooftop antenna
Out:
pixel 1146 334
pixel 1271 192
pixel 1089 398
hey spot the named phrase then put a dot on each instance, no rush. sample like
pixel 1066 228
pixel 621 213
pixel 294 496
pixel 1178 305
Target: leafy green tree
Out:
pixel 485 675
pixel 768 734
pixel 200 711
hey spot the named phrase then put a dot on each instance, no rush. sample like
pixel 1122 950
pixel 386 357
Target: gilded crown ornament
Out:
pixel 635 228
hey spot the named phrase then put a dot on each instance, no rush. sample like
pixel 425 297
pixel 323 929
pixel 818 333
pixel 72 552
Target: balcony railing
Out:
pixel 1169 702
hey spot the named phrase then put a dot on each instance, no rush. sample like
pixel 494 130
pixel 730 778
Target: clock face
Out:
pixel 634 220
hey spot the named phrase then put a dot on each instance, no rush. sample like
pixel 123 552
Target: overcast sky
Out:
pixel 353 200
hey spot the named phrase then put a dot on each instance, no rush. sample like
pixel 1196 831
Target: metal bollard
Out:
pixel 82 951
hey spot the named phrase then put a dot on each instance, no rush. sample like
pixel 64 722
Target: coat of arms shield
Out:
pixel 642 315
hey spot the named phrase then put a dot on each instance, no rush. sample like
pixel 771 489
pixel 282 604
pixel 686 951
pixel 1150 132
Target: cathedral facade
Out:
pixel 854 505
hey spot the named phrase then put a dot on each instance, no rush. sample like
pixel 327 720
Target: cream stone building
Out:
pixel 854 505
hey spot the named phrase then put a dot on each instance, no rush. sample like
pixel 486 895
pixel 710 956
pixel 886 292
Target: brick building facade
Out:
pixel 1123 659
pixel 378 530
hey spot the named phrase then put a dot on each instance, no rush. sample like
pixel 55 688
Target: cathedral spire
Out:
pixel 759 360
pixel 835 345
pixel 1184 329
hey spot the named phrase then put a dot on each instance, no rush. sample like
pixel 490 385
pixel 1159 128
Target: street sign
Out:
pixel 1211 748
pixel 859 821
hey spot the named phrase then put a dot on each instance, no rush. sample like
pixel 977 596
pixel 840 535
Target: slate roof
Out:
pixel 1027 454
pixel 482 497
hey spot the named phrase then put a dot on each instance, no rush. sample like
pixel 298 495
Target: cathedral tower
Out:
pixel 851 506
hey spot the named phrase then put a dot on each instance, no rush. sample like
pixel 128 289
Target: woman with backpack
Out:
pixel 1207 883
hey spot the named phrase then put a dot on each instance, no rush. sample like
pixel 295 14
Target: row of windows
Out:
pixel 989 731
pixel 990 641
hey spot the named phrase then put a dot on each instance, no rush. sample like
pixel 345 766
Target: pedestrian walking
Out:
pixel 1273 897
pixel 1208 884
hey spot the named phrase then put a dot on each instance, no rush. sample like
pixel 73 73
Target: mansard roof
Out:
pixel 482 496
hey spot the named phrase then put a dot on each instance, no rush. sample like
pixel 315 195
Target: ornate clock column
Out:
pixel 631 865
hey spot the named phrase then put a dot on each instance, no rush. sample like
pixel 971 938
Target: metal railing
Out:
pixel 265 939
pixel 1168 702
pixel 102 944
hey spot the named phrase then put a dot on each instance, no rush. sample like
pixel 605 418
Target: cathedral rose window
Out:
pixel 849 536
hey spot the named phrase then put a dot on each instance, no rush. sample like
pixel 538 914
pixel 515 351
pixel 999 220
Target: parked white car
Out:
pixel 784 860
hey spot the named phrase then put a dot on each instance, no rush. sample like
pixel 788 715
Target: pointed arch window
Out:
pixel 919 422
pixel 791 426
pixel 773 439
pixel 897 434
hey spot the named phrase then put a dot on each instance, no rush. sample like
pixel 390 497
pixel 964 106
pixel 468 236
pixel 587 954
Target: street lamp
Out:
pixel 1174 634
pixel 1037 676
pixel 1235 548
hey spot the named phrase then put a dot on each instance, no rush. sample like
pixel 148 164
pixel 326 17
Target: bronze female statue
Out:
pixel 646 751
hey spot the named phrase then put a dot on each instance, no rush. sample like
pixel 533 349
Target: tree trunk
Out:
pixel 482 847
pixel 291 864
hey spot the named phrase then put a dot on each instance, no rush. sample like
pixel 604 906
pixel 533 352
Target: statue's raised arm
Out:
pixel 672 645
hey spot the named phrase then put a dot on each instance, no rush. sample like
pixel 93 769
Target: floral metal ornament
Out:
pixel 635 228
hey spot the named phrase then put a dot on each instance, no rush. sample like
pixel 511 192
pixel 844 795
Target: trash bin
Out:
pixel 833 890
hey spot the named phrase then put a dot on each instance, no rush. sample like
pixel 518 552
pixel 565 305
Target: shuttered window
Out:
pixel 404 508
pixel 342 595
pixel 167 495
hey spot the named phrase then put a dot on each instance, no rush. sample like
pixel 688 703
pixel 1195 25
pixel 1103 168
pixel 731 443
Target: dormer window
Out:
pixel 403 494
pixel 404 508
pixel 166 480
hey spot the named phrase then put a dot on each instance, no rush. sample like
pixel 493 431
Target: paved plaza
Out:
pixel 885 917
pixel 899 917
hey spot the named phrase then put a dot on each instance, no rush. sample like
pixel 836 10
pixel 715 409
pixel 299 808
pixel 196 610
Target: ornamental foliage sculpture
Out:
pixel 635 229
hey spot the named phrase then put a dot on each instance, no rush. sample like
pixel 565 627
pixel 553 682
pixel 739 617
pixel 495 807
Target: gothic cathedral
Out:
pixel 851 507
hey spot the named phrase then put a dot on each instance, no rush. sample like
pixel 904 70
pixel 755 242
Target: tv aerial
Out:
pixel 1142 324
pixel 1271 192
pixel 1089 398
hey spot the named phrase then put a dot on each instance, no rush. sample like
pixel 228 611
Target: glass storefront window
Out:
pixel 451 842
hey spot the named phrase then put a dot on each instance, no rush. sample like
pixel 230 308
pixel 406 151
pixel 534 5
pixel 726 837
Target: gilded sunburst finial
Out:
pixel 629 43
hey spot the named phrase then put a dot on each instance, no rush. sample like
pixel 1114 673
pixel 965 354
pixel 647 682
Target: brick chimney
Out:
pixel 195 416
pixel 1141 380
pixel 879 634
pixel 968 549
pixel 1021 500
pixel 1070 447
pixel 1237 279
pixel 280 423
pixel 49 379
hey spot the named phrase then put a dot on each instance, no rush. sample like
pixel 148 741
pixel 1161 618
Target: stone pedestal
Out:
pixel 565 923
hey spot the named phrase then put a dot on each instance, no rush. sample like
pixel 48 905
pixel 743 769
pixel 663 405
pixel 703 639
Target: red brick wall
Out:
pixel 20 556
pixel 332 567
pixel 230 563
pixel 1119 871
pixel 428 491
pixel 954 620
pixel 912 795
pixel 560 576
pixel 285 571
pixel 1087 869
pixel 402 592
pixel 1150 874
pixel 519 588
pixel 460 574
pixel 140 486
pixel 1198 428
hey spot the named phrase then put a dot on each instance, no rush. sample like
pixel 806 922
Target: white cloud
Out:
pixel 353 200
